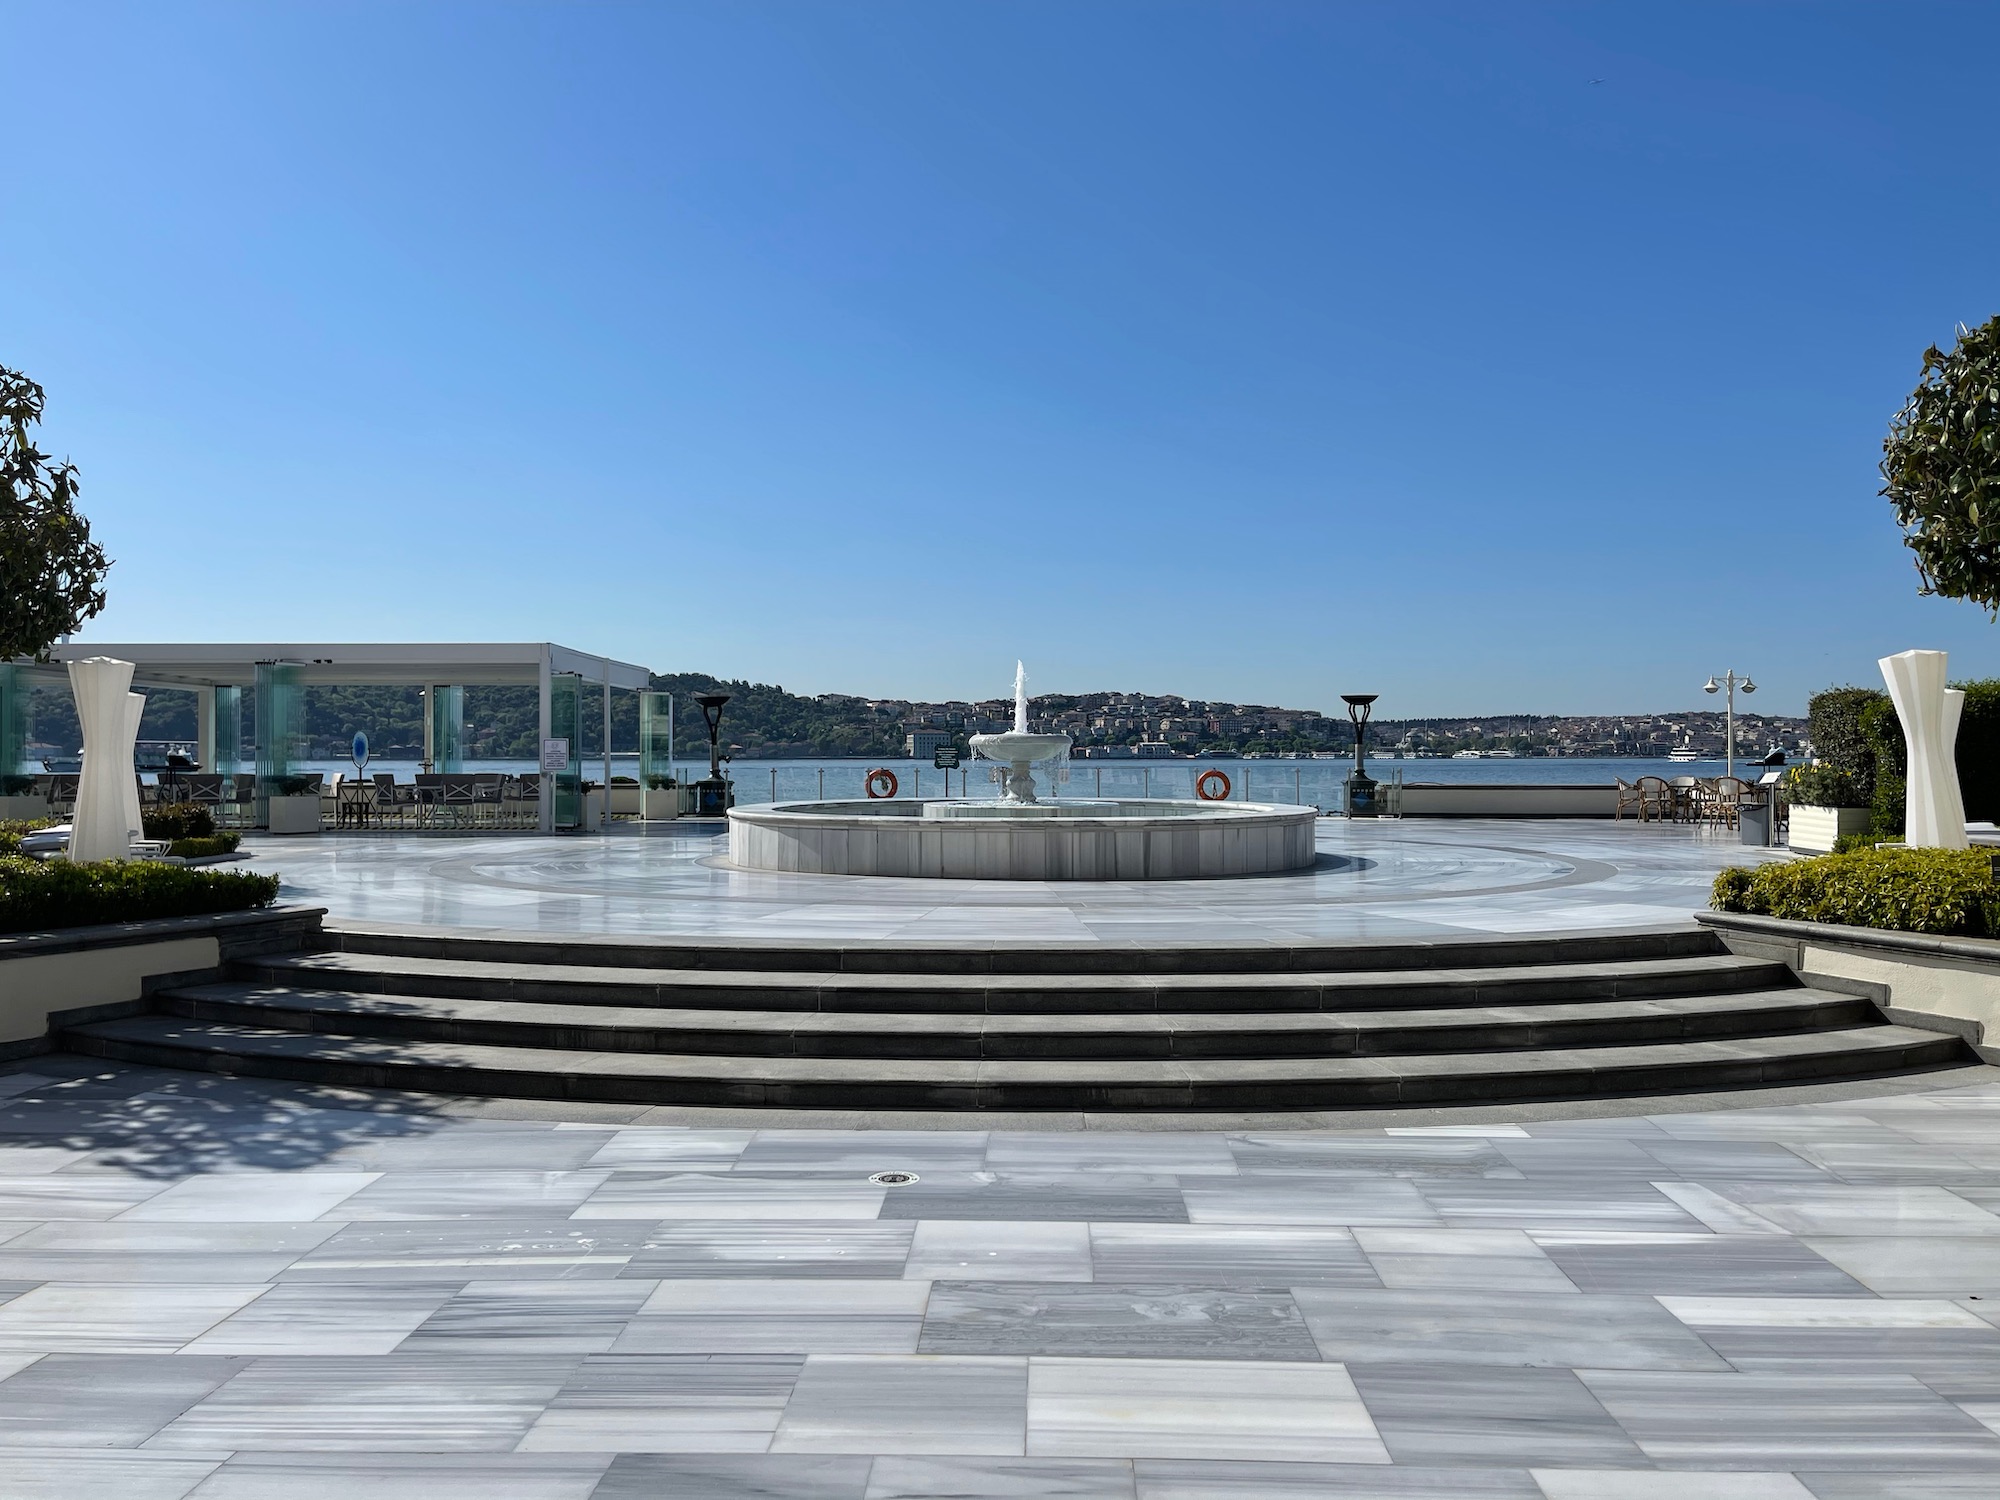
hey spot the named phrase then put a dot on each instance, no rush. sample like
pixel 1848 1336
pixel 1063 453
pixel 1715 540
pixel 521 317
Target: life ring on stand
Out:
pixel 1201 784
pixel 884 778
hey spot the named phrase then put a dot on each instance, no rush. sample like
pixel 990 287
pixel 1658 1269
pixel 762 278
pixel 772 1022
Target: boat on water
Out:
pixel 1682 755
pixel 1467 755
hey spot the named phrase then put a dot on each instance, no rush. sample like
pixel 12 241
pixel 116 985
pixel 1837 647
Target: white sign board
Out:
pixel 555 756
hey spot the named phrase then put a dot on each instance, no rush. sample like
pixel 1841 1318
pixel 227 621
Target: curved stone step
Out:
pixel 382 974
pixel 917 955
pixel 936 1083
pixel 859 1034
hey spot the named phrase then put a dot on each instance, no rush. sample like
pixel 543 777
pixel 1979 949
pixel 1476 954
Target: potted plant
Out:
pixel 1827 805
pixel 660 801
pixel 294 804
pixel 20 801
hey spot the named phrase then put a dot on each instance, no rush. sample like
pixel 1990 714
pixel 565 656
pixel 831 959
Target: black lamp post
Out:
pixel 712 795
pixel 1358 791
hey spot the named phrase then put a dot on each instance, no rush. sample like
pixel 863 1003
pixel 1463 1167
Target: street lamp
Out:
pixel 1358 791
pixel 1731 682
pixel 712 794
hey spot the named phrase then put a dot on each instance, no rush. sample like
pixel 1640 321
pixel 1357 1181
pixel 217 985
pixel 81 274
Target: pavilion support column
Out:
pixel 606 825
pixel 204 728
pixel 546 812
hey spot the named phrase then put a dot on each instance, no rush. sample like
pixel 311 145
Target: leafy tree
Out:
pixel 1941 469
pixel 51 572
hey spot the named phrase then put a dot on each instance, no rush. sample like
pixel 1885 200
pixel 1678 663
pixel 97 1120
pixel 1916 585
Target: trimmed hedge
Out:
pixel 198 848
pixel 37 894
pixel 1944 891
pixel 1833 721
pixel 177 820
pixel 1856 731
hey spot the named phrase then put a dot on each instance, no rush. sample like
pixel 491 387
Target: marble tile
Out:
pixel 858 1153
pixel 668 1403
pixel 787 1476
pixel 1501 1328
pixel 1437 1413
pixel 184 1267
pixel 680 1149
pixel 1345 1201
pixel 251 1197
pixel 1541 1157
pixel 1736 1421
pixel 57 1195
pixel 701 1195
pixel 1285 1153
pixel 1114 1321
pixel 461 1250
pixel 989 1250
pixel 1904 1162
pixel 530 1317
pixel 491 1193
pixel 78 1474
pixel 1000 1479
pixel 1875 1210
pixel 1743 1161
pixel 1935 1486
pixel 91 1401
pixel 780 1315
pixel 1780 1311
pixel 396 1403
pixel 1497 1260
pixel 761 1248
pixel 1226 1255
pixel 172 1237
pixel 1716 1212
pixel 1041 1197
pixel 406 1476
pixel 1220 1479
pixel 466 1146
pixel 914 1405
pixel 25 1160
pixel 1598 1484
pixel 116 1319
pixel 310 1317
pixel 1158 1408
pixel 1126 1153
pixel 1720 1265
pixel 1553 1205
pixel 1911 1266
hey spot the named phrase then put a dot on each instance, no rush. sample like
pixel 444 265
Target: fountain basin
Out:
pixel 947 839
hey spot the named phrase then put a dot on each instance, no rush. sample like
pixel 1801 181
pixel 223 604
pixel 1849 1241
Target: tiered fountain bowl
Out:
pixel 1018 836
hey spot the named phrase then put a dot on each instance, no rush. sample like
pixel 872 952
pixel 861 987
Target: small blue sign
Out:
pixel 360 752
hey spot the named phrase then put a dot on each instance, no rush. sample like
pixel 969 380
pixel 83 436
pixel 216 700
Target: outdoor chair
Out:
pixel 1629 800
pixel 488 788
pixel 393 799
pixel 62 794
pixel 1730 795
pixel 1656 799
pixel 428 797
pixel 522 801
pixel 458 798
pixel 205 791
pixel 240 803
pixel 329 800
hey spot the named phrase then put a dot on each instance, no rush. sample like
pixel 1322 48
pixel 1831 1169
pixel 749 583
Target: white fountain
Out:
pixel 1018 836
pixel 1018 748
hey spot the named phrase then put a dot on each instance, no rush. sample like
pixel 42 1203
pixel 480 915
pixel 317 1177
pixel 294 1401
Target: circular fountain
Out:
pixel 1018 836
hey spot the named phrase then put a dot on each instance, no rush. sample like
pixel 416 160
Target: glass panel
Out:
pixel 227 734
pixel 656 737
pixel 13 722
pixel 281 701
pixel 447 730
pixel 565 715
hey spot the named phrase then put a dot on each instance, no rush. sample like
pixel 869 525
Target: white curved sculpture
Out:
pixel 1934 810
pixel 107 794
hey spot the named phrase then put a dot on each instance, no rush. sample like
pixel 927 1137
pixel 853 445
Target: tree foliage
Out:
pixel 51 572
pixel 1941 469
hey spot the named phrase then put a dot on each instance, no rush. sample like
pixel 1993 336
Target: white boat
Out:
pixel 1682 755
pixel 1467 755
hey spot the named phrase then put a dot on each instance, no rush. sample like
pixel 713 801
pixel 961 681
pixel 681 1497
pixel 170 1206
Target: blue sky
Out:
pixel 1248 350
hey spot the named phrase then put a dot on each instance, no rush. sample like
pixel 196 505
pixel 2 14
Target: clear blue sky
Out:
pixel 1249 350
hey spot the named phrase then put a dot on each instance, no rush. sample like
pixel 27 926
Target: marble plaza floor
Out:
pixel 228 1290
pixel 1415 878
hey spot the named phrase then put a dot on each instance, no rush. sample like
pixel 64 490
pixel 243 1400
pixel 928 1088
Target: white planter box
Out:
pixel 624 801
pixel 295 814
pixel 593 810
pixel 24 808
pixel 660 806
pixel 1815 830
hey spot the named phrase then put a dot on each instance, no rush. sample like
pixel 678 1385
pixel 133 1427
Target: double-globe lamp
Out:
pixel 1731 682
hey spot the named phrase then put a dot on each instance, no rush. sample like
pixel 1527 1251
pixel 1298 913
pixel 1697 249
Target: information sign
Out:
pixel 945 759
pixel 555 756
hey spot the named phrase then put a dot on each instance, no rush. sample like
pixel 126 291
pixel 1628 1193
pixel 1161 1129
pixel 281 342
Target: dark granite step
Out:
pixel 942 1083
pixel 972 994
pixel 859 1034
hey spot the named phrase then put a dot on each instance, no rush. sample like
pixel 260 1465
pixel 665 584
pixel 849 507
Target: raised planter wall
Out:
pixel 76 974
pixel 1949 984
pixel 295 814
pixel 1815 830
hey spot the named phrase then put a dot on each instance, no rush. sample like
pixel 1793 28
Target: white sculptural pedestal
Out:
pixel 1934 810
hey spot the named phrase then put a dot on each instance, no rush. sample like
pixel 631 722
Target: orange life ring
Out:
pixel 885 778
pixel 1201 785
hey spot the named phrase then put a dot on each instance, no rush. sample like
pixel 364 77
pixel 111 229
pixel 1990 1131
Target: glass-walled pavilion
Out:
pixel 275 676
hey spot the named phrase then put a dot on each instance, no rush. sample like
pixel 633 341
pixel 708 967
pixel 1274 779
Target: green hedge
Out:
pixel 1833 721
pixel 1947 891
pixel 198 848
pixel 37 894
pixel 1856 732
pixel 12 830
pixel 177 820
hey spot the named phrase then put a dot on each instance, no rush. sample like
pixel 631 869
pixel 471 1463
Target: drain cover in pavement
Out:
pixel 892 1179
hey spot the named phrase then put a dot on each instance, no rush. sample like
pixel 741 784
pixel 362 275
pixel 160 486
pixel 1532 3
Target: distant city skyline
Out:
pixel 1496 359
